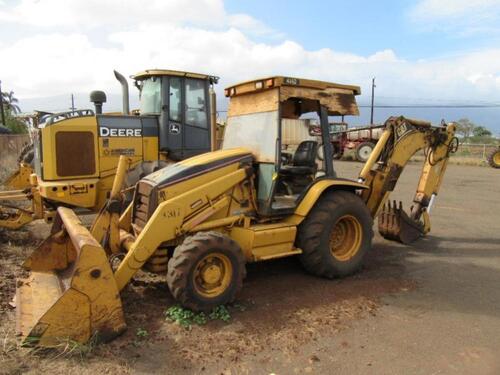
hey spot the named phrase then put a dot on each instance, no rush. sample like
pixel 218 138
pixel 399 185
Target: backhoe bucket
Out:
pixel 71 293
pixel 394 224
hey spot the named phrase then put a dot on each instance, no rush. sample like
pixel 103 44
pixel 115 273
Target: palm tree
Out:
pixel 10 102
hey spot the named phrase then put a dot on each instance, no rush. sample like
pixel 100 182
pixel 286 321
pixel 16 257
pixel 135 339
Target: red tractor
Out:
pixel 361 140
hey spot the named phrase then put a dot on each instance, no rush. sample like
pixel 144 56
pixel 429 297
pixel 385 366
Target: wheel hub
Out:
pixel 345 238
pixel 365 151
pixel 212 275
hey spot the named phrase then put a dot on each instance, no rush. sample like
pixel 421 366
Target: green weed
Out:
pixel 186 317
pixel 141 332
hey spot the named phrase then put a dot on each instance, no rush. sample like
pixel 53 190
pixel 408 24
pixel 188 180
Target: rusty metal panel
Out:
pixel 338 101
pixel 75 154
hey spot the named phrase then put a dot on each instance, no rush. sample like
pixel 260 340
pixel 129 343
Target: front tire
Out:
pixel 336 235
pixel 206 270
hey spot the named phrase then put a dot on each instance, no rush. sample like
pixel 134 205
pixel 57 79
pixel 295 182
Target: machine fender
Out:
pixel 317 190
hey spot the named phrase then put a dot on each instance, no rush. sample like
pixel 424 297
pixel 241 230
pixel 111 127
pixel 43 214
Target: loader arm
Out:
pixel 175 217
pixel 402 138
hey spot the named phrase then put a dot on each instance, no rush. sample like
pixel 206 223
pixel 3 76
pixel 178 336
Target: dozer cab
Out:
pixel 202 219
pixel 74 155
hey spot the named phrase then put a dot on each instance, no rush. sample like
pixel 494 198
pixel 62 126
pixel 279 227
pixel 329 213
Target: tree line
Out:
pixel 469 132
pixel 11 108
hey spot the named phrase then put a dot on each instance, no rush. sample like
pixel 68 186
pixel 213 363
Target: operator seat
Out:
pixel 304 160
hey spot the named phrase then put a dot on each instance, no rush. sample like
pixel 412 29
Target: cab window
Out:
pixel 151 96
pixel 195 110
pixel 174 103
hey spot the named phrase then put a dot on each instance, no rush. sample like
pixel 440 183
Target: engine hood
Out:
pixel 196 165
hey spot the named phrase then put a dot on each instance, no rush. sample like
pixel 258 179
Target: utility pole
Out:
pixel 1 105
pixel 73 103
pixel 373 98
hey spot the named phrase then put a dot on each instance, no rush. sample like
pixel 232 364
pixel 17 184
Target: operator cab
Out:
pixel 182 102
pixel 273 117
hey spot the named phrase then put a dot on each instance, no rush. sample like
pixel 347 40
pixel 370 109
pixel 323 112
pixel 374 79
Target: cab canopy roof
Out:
pixel 297 96
pixel 165 72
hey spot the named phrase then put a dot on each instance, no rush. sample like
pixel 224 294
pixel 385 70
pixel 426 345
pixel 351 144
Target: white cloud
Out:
pixel 69 58
pixel 453 8
pixel 251 25
pixel 125 13
pixel 463 17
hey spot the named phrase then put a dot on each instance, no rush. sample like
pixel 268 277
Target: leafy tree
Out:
pixel 11 107
pixel 15 124
pixel 481 131
pixel 465 128
pixel 10 102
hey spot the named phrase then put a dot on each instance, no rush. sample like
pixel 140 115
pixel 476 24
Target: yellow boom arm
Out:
pixel 401 139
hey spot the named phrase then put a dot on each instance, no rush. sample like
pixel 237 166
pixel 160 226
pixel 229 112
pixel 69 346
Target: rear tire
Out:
pixel 336 235
pixel 494 158
pixel 364 150
pixel 206 270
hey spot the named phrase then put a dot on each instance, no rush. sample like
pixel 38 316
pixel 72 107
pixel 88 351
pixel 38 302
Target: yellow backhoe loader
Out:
pixel 202 219
pixel 74 155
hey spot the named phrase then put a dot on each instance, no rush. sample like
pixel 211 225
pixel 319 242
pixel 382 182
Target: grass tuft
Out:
pixel 186 317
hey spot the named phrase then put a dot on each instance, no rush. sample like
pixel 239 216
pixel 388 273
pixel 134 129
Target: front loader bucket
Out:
pixel 20 179
pixel 71 293
pixel 394 224
pixel 11 216
pixel 14 218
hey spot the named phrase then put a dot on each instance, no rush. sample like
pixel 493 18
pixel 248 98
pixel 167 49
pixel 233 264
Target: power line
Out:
pixel 431 99
pixel 423 106
pixel 433 106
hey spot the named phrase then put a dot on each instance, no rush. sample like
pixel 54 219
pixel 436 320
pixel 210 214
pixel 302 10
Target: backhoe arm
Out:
pixel 401 139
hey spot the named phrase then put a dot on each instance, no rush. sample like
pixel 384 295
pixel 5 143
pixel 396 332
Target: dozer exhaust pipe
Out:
pixel 213 118
pixel 125 98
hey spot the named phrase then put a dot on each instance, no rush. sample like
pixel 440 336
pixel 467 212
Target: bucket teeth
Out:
pixel 394 224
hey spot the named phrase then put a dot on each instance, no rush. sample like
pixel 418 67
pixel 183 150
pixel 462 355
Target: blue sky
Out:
pixel 364 27
pixel 421 51
pixel 358 27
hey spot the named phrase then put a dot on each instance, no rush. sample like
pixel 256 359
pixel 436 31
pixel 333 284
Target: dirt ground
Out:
pixel 432 308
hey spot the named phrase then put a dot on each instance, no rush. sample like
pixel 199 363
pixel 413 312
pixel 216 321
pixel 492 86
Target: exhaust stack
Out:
pixel 125 98
pixel 213 119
